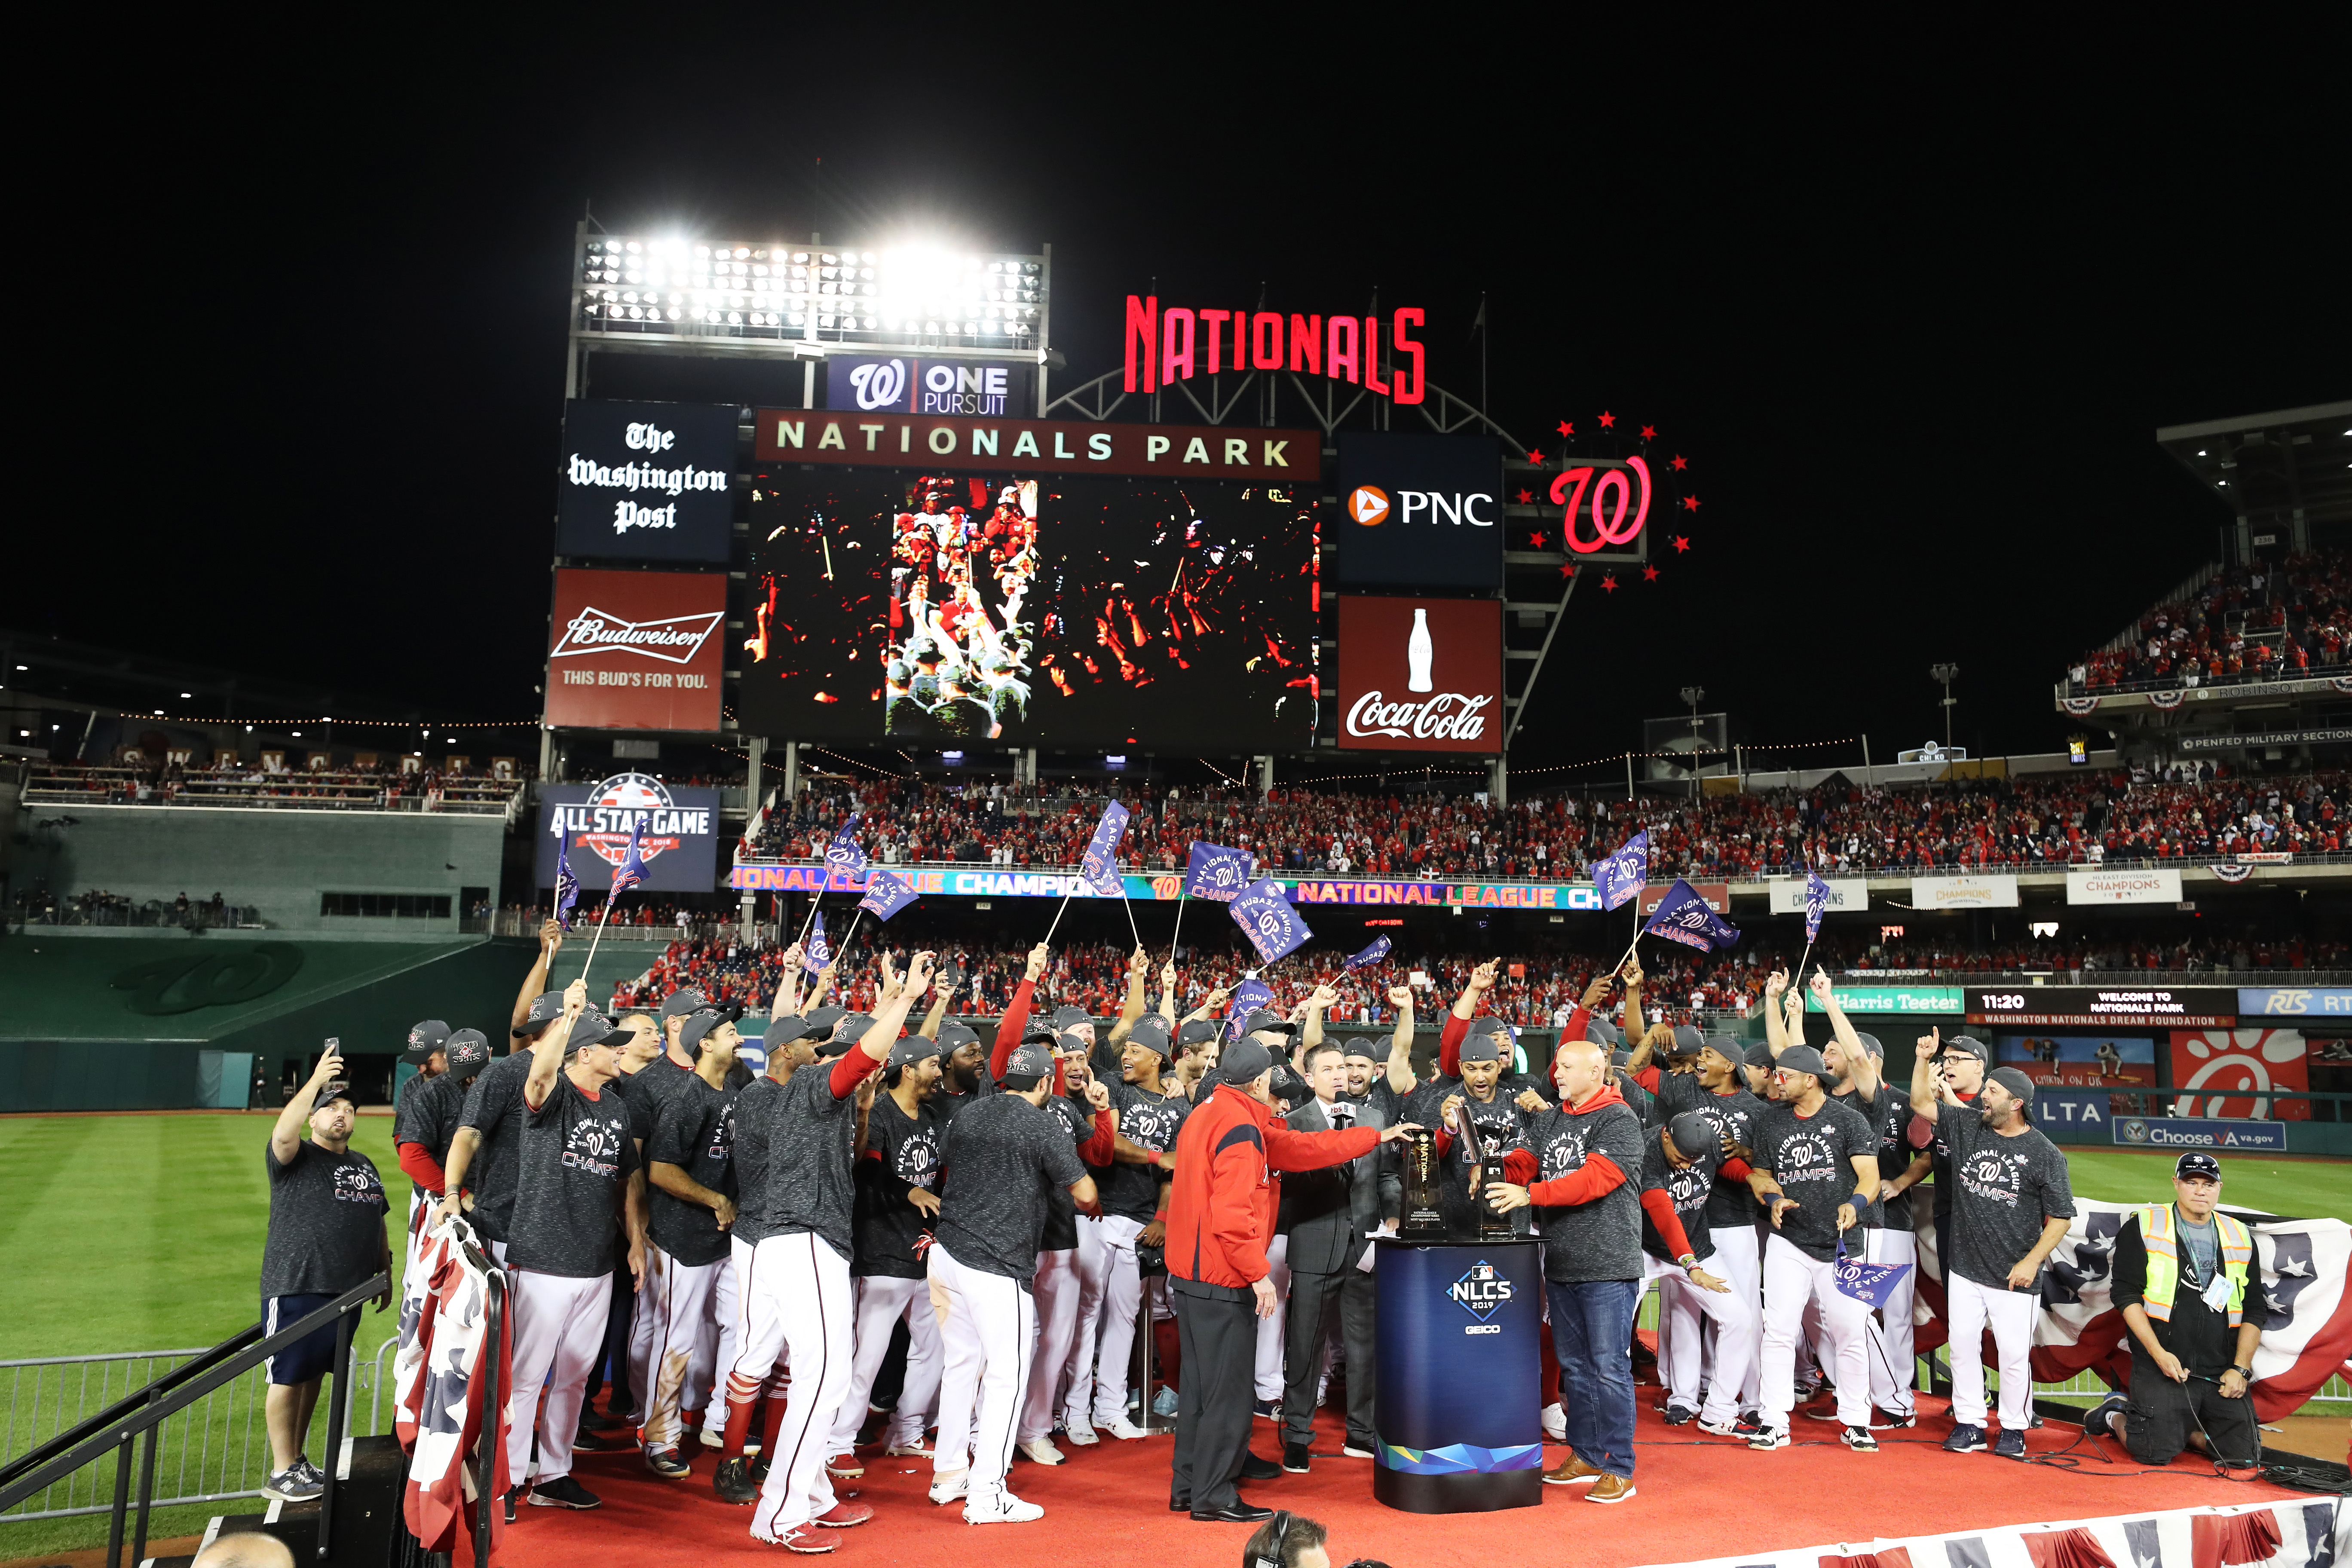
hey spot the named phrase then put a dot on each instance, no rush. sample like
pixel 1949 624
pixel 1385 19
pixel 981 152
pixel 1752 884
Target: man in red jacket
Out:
pixel 1221 1212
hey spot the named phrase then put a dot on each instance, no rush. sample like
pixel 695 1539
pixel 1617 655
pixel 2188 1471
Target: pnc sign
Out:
pixel 1423 512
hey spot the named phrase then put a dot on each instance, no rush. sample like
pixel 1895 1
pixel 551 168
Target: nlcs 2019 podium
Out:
pixel 1460 1330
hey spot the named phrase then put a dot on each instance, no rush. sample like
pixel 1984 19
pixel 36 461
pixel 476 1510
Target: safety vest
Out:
pixel 2156 1223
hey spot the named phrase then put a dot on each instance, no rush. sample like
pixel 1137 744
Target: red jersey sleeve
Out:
pixel 1597 1176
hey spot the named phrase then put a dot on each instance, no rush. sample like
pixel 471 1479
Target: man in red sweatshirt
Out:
pixel 1221 1212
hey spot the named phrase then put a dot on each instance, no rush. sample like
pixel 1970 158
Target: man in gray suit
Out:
pixel 1326 1215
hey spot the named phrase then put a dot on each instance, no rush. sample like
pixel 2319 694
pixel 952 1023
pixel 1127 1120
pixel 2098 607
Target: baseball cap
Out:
pixel 822 1019
pixel 1964 1046
pixel 1599 1031
pixel 1150 1031
pixel 333 1090
pixel 1692 1134
pixel 1243 1061
pixel 1758 1055
pixel 424 1039
pixel 2014 1080
pixel 1726 1047
pixel 1196 1031
pixel 1041 1031
pixel 1068 1018
pixel 1688 1041
pixel 783 1029
pixel 1287 1085
pixel 1028 1066
pixel 1869 1046
pixel 1620 1057
pixel 2196 1164
pixel 913 1049
pixel 545 1009
pixel 1363 1046
pixel 1802 1058
pixel 698 1026
pixel 470 1053
pixel 954 1036
pixel 1481 1048
pixel 593 1029
pixel 686 999
pixel 1271 1023
pixel 849 1031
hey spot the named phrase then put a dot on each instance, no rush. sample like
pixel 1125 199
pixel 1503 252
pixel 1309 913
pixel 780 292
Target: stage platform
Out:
pixel 1698 1497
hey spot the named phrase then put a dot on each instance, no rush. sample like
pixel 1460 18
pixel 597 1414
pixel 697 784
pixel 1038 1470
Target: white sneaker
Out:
pixel 946 1489
pixel 1555 1423
pixel 1042 1450
pixel 1081 1434
pixel 713 1440
pixel 1001 1507
pixel 913 1448
pixel 1124 1428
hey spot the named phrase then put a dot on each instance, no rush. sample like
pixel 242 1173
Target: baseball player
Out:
pixel 691 1289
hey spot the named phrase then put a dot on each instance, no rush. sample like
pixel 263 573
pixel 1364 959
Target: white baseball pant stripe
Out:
pixel 1270 1329
pixel 1738 1259
pixel 646 1323
pixel 1122 1295
pixel 685 1343
pixel 1077 1379
pixel 808 1283
pixel 882 1300
pixel 1686 1312
pixel 759 1330
pixel 559 1332
pixel 1894 1363
pixel 1794 1279
pixel 987 1325
pixel 2010 1314
pixel 1054 1292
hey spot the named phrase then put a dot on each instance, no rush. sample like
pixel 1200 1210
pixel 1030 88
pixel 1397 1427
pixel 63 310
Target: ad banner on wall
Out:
pixel 646 481
pixel 1421 674
pixel 2250 1064
pixel 680 848
pixel 636 650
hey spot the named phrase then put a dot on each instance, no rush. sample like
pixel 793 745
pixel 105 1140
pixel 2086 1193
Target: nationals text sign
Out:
pixel 636 650
pixel 1421 674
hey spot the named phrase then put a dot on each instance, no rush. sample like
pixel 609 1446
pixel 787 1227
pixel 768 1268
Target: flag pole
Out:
pixel 1057 917
pixel 1180 924
pixel 1131 912
pixel 813 898
pixel 857 915
pixel 599 937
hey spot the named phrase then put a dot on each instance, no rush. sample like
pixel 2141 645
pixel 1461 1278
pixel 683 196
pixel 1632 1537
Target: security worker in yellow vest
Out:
pixel 2190 1290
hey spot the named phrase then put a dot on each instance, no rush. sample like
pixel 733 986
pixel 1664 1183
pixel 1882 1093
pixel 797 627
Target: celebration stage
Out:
pixel 1701 1499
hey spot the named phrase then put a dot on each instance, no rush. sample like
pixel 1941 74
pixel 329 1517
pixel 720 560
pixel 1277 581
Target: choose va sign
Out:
pixel 2192 1133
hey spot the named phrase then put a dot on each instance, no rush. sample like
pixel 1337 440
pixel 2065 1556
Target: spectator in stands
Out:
pixel 326 1237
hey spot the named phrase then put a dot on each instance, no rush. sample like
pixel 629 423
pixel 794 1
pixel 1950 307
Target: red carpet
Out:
pixel 1699 1496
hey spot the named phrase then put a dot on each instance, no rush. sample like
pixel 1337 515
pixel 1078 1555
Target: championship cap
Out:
pixel 783 1029
pixel 470 1053
pixel 698 1026
pixel 426 1038
pixel 1620 1057
pixel 2014 1080
pixel 1028 1066
pixel 1195 1032
pixel 1803 1058
pixel 1692 1134
pixel 1243 1061
pixel 1039 1031
pixel 1599 1031
pixel 1758 1055
pixel 954 1035
pixel 1480 1048
pixel 333 1090
pixel 912 1050
pixel 1688 1042
pixel 1068 1018
pixel 1076 1042
pixel 1963 1046
pixel 2196 1164
pixel 1723 1046
pixel 545 1009
pixel 825 1018
pixel 848 1031
pixel 1363 1046
pixel 1869 1046
pixel 1287 1084
pixel 1269 1023
pixel 686 999
pixel 593 1029
pixel 1152 1031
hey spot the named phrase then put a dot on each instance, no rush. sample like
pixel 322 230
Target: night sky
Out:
pixel 1914 345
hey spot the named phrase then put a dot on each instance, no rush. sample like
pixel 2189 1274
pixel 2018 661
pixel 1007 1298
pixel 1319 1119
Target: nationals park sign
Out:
pixel 1037 446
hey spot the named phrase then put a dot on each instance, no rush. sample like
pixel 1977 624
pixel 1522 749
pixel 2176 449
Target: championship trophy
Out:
pixel 1423 1217
pixel 1492 1227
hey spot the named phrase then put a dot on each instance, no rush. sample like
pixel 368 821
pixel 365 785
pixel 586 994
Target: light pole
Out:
pixel 1691 697
pixel 1947 673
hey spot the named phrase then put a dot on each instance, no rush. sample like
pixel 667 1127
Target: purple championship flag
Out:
pixel 1683 916
pixel 1265 917
pixel 1817 900
pixel 567 888
pixel 1248 997
pixel 1100 866
pixel 1370 956
pixel 1871 1284
pixel 887 893
pixel 818 953
pixel 1213 871
pixel 843 857
pixel 632 871
pixel 1624 874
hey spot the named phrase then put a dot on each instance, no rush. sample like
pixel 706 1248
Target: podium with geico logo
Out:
pixel 1460 1325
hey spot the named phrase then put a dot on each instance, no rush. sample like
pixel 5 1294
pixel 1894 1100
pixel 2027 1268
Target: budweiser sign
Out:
pixel 674 639
pixel 1421 674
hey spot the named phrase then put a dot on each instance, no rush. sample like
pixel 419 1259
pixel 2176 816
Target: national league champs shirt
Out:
pixel 2003 1189
pixel 1600 1237
pixel 576 1156
pixel 1003 1157
pixel 1811 1158
pixel 326 1222
pixel 695 1131
pixel 494 1111
pixel 1148 1121
pixel 902 1152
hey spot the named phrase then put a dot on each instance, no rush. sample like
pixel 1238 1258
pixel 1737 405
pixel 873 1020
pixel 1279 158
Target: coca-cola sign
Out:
pixel 1421 674
pixel 636 650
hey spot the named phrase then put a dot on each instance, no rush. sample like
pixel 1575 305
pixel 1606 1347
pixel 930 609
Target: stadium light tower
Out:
pixel 1947 673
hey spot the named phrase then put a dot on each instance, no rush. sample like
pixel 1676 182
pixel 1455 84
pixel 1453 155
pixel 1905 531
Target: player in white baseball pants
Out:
pixel 1076 1378
pixel 559 1329
pixel 988 1327
pixel 1893 1365
pixel 687 1304
pixel 1793 1279
pixel 882 1300
pixel 2010 1314
pixel 799 1302
pixel 1269 1329
pixel 1055 1290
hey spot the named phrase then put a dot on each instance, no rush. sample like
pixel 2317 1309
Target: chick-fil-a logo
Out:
pixel 1569 487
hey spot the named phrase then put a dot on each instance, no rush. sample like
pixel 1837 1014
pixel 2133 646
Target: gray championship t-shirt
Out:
pixel 1890 1113
pixel 430 1117
pixel 2002 1189
pixel 1502 1126
pixel 575 1159
pixel 1078 1120
pixel 1811 1158
pixel 326 1222
pixel 695 1131
pixel 752 1103
pixel 1003 1156
pixel 1687 1187
pixel 1150 1121
pixel 1597 1240
pixel 407 1124
pixel 494 1111
pixel 645 1092
pixel 902 1152
pixel 1730 1206
pixel 809 1136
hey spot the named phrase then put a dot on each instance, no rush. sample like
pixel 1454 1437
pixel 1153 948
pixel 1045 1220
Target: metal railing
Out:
pixel 141 1422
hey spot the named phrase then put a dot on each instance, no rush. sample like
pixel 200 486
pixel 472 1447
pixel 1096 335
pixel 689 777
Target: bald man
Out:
pixel 245 1549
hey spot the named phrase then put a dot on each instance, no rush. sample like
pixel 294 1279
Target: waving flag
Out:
pixel 1622 874
pixel 1213 871
pixel 1248 997
pixel 1100 867
pixel 1265 917
pixel 1871 1284
pixel 1817 900
pixel 887 893
pixel 567 888
pixel 632 871
pixel 1683 916
pixel 1370 956
pixel 817 952
pixel 843 857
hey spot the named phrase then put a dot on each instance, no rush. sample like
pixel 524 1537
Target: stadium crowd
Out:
pixel 2257 621
pixel 730 1232
pixel 2035 820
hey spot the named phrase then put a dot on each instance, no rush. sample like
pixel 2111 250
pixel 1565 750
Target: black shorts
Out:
pixel 309 1358
pixel 2162 1414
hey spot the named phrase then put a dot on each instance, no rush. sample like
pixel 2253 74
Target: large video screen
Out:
pixel 941 608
